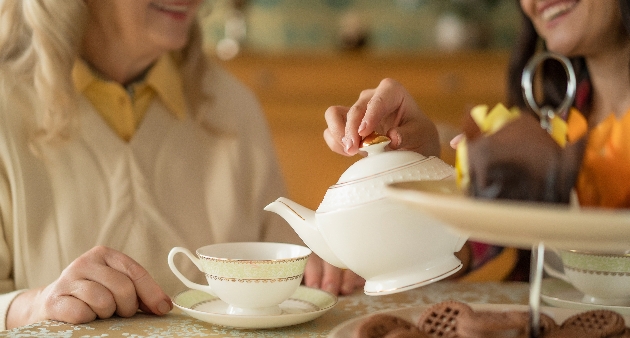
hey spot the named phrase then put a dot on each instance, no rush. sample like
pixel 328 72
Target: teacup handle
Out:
pixel 555 273
pixel 186 281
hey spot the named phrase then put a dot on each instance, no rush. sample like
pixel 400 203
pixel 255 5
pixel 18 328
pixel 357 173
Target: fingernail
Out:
pixel 455 141
pixel 362 126
pixel 347 143
pixel 396 140
pixel 164 307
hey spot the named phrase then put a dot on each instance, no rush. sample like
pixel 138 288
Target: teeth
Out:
pixel 554 11
pixel 172 8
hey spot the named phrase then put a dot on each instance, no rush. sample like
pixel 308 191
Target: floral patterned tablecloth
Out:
pixel 178 324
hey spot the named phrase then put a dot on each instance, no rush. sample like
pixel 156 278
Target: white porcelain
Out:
pixel 347 328
pixel 517 223
pixel 603 278
pixel 304 305
pixel 557 292
pixel 252 277
pixel 356 226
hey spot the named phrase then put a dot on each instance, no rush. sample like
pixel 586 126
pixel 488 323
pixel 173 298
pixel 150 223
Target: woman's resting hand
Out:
pixel 100 283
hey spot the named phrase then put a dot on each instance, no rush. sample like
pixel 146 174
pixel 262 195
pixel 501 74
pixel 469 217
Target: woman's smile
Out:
pixel 576 27
pixel 549 11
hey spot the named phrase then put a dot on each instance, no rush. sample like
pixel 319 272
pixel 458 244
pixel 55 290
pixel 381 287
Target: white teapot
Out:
pixel 394 247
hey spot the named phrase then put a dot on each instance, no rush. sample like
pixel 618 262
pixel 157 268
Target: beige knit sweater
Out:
pixel 176 183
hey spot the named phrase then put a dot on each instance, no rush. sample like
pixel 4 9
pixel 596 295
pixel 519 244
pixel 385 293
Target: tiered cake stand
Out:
pixel 521 224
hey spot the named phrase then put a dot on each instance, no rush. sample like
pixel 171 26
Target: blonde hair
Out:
pixel 193 63
pixel 39 43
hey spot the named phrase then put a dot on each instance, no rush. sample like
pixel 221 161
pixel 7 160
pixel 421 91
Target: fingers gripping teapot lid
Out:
pixel 365 180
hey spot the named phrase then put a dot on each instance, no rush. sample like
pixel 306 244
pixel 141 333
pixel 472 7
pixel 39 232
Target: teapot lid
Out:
pixel 378 161
pixel 366 180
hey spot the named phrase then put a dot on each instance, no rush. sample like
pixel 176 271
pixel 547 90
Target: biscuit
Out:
pixel 624 334
pixel 378 325
pixel 488 324
pixel 453 319
pixel 569 332
pixel 596 323
pixel 442 319
pixel 404 333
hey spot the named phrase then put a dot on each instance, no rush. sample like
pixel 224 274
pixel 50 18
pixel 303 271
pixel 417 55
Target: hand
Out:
pixel 98 284
pixel 319 274
pixel 388 109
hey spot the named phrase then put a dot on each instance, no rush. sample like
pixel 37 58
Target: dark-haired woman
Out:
pixel 594 34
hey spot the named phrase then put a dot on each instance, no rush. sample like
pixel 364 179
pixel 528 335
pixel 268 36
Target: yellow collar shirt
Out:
pixel 123 108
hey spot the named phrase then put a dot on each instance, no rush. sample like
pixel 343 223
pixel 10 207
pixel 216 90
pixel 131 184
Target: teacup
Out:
pixel 603 278
pixel 253 278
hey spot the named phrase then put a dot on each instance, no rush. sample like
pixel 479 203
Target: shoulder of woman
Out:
pixel 230 103
pixel 220 82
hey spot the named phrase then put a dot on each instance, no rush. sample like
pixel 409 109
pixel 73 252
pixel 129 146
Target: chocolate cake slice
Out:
pixel 521 161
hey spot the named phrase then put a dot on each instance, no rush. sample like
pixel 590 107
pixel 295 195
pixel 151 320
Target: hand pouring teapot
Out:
pixel 394 247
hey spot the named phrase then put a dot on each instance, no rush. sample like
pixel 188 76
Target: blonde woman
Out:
pixel 118 141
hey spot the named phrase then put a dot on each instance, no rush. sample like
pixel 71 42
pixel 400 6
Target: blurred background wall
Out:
pixel 379 26
pixel 302 56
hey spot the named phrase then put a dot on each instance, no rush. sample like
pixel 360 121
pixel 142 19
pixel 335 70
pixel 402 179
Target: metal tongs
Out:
pixel 546 114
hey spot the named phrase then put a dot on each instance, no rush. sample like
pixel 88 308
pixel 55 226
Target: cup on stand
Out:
pixel 603 278
pixel 253 278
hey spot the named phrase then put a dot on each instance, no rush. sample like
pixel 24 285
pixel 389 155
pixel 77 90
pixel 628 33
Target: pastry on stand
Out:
pixel 510 154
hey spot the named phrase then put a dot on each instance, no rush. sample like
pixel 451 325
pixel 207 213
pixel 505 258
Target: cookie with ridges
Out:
pixel 442 319
pixel 596 323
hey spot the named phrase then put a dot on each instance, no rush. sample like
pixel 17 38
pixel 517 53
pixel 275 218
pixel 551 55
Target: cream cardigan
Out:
pixel 189 183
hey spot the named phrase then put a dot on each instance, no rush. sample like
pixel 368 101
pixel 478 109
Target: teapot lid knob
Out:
pixel 374 143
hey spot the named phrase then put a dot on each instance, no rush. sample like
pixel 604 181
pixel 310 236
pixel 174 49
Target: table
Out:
pixel 178 324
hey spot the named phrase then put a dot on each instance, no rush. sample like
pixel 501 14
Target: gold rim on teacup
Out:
pixel 626 254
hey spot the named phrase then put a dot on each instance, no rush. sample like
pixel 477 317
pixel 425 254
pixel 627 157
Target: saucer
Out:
pixel 304 305
pixel 347 328
pixel 559 293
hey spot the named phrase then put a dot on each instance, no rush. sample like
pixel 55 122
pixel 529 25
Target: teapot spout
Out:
pixel 304 223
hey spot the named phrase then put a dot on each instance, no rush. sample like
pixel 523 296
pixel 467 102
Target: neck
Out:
pixel 115 60
pixel 610 78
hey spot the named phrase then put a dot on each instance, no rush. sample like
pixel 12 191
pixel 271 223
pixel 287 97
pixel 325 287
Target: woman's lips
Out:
pixel 552 10
pixel 177 10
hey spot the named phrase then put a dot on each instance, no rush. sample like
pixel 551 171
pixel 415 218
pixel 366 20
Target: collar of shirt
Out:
pixel 123 108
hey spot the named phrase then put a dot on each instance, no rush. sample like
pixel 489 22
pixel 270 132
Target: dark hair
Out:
pixel 554 79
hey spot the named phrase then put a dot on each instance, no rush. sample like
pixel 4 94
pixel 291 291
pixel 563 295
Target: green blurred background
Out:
pixel 375 26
